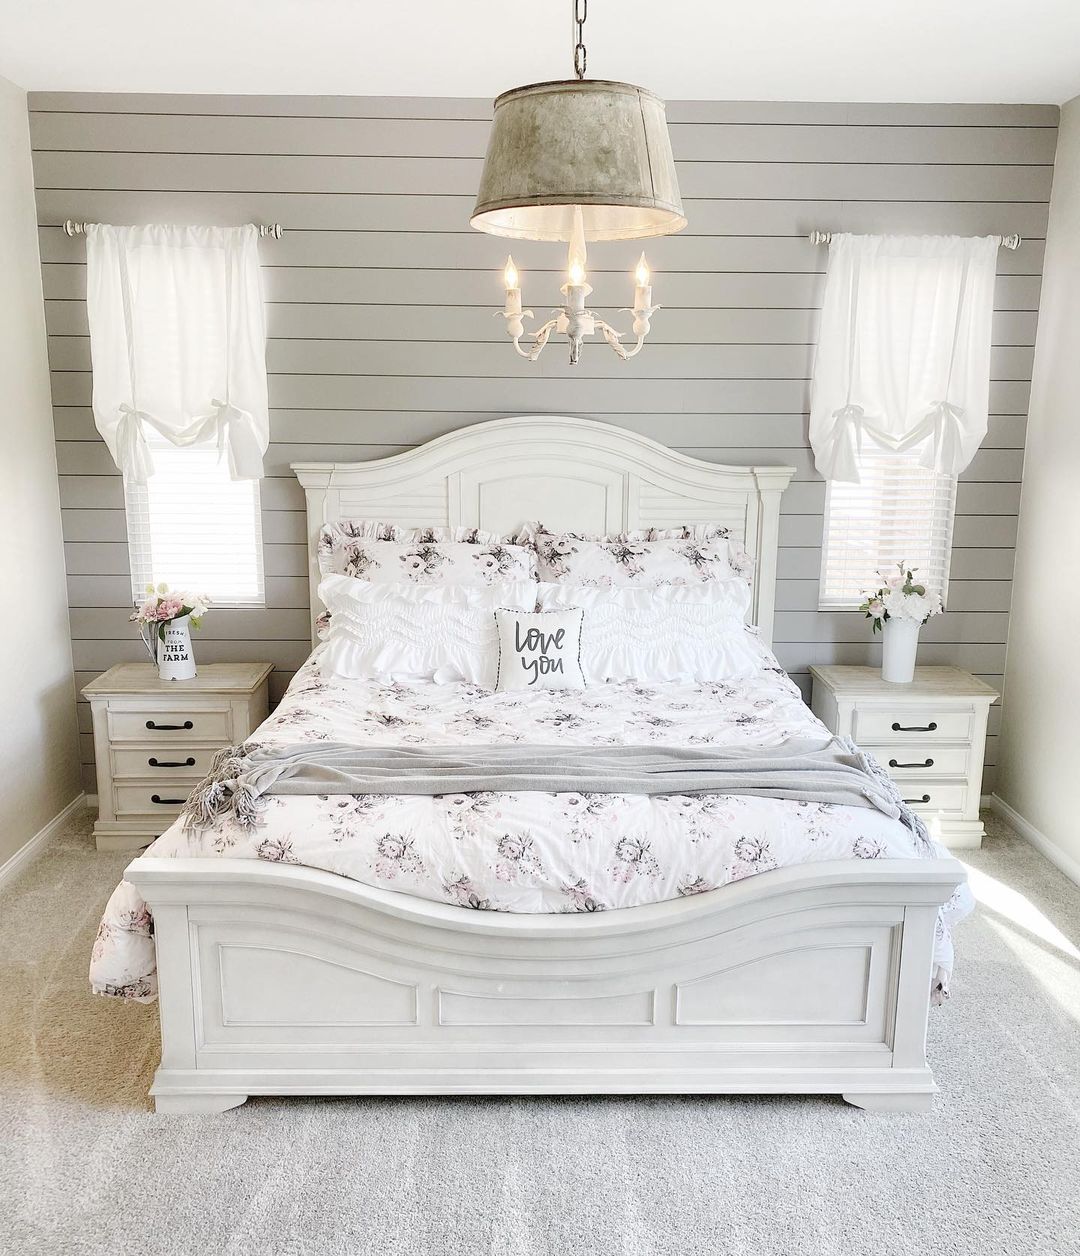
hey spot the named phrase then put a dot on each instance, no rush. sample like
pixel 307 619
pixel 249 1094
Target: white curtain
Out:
pixel 178 342
pixel 903 359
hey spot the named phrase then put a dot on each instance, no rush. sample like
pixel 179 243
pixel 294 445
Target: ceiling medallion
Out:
pixel 574 160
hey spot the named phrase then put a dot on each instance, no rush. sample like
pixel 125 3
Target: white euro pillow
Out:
pixel 408 632
pixel 673 633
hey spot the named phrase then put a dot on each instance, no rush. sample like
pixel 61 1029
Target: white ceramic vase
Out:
pixel 899 645
pixel 175 658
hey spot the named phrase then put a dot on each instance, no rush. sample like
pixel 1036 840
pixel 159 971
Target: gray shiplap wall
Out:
pixel 382 335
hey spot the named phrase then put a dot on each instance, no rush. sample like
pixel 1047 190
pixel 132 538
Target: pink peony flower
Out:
pixel 169 607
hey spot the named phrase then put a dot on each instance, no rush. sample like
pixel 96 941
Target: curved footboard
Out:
pixel 279 979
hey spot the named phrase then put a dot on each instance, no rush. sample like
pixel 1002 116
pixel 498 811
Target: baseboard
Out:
pixel 31 849
pixel 1039 840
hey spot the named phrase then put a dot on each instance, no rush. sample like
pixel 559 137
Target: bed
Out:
pixel 682 964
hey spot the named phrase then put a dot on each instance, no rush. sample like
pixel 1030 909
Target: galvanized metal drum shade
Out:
pixel 599 145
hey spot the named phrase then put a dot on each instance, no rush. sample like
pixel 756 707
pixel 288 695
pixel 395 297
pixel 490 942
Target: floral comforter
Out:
pixel 527 852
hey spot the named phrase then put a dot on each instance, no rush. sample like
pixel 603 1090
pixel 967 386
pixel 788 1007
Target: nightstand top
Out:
pixel 212 678
pixel 929 682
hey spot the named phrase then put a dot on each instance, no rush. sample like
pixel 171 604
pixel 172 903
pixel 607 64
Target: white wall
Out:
pixel 39 771
pixel 1041 733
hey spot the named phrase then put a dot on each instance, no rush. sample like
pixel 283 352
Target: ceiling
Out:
pixel 844 50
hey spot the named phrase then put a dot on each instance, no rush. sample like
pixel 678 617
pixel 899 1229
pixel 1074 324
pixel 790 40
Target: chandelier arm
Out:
pixel 613 338
pixel 540 339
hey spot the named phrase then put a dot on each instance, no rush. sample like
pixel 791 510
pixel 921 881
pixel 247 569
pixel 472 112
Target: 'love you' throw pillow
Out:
pixel 540 650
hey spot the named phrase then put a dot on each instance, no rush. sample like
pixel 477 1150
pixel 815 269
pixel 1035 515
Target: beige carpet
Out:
pixel 994 1169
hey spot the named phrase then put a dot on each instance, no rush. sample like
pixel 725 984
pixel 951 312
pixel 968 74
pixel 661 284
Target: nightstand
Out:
pixel 154 739
pixel 929 735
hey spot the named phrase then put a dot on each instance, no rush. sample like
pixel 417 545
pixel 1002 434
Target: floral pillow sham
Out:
pixel 649 558
pixel 383 553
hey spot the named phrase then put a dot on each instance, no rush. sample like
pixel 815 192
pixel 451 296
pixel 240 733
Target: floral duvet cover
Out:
pixel 528 852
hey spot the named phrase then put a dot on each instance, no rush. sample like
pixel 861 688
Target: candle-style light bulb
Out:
pixel 510 275
pixel 643 306
pixel 576 253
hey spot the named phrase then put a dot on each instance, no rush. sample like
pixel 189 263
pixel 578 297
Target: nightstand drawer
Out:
pixel 162 762
pixel 933 796
pixel 920 759
pixel 151 800
pixel 148 725
pixel 904 723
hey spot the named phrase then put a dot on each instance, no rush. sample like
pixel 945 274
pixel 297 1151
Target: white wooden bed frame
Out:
pixel 276 979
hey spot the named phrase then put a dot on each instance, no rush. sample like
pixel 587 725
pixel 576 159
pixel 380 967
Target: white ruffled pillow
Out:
pixel 409 632
pixel 386 553
pixel 672 633
pixel 649 558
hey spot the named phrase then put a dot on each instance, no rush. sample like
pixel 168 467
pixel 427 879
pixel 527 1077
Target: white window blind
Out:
pixel 193 527
pixel 898 512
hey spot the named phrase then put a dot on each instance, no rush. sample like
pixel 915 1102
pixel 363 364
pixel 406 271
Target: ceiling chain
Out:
pixel 581 12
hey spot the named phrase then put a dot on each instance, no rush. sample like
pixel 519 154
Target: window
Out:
pixel 900 512
pixel 194 528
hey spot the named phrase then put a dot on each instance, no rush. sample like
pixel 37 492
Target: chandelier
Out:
pixel 573 160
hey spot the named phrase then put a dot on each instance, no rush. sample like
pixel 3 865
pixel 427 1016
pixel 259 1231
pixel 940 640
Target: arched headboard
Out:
pixel 570 473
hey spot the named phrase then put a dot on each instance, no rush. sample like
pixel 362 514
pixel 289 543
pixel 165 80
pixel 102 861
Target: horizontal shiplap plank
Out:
pixel 531 394
pixel 954 628
pixel 110 558
pixel 997 532
pixel 97 656
pixel 467 138
pixel 751 113
pixel 964 595
pixel 685 290
pixel 728 432
pixel 461 324
pixel 221 624
pixel 91 457
pixel 387 357
pixel 972 657
pixel 804 563
pixel 438 212
pixel 85 591
pixel 459 176
pixel 536 261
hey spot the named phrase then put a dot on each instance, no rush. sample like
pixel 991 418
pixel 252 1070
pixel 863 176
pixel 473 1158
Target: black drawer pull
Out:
pixel 189 762
pixel 185 727
pixel 168 802
pixel 892 763
pixel 915 728
pixel 924 798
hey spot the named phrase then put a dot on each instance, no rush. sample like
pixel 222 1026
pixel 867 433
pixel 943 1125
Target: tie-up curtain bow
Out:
pixel 903 359
pixel 178 343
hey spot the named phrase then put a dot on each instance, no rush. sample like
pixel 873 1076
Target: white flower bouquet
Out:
pixel 901 597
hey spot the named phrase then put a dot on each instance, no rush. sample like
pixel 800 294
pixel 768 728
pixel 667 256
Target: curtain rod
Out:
pixel 1005 241
pixel 72 228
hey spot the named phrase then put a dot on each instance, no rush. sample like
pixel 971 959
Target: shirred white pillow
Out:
pixel 385 553
pixel 649 558
pixel 678 632
pixel 416 633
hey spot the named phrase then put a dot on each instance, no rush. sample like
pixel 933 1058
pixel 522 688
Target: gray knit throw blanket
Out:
pixel 815 770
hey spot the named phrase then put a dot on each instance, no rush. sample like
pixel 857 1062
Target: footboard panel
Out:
pixel 279 979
